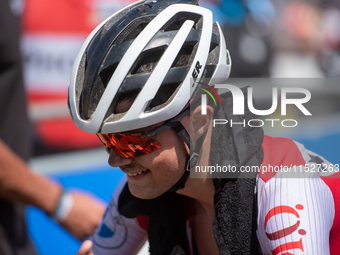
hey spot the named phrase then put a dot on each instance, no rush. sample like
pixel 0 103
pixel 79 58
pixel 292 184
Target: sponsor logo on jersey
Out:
pixel 292 231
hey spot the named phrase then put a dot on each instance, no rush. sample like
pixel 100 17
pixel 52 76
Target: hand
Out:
pixel 85 248
pixel 85 215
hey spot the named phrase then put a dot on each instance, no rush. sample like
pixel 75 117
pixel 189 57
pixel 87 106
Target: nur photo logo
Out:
pixel 239 104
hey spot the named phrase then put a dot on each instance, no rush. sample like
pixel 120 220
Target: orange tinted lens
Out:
pixel 129 146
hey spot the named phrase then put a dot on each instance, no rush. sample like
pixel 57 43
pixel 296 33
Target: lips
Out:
pixel 136 173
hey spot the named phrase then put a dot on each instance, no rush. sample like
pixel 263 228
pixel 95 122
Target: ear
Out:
pixel 200 123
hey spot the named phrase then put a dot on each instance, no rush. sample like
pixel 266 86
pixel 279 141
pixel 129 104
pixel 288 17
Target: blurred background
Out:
pixel 269 41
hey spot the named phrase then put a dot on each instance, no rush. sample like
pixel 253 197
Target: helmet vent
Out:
pixel 107 73
pixel 183 57
pixel 125 100
pixel 142 8
pixel 116 19
pixel 133 30
pixel 177 21
pixel 163 95
pixel 148 61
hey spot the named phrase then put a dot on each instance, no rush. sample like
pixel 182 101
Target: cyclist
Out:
pixel 136 84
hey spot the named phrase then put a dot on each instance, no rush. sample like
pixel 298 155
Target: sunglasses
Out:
pixel 129 145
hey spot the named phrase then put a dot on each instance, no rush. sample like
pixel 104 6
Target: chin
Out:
pixel 144 193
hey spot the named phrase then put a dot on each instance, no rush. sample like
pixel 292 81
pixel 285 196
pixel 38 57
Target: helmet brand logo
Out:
pixel 196 71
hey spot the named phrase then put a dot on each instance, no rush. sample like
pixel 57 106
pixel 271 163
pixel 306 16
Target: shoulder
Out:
pixel 297 189
pixel 284 155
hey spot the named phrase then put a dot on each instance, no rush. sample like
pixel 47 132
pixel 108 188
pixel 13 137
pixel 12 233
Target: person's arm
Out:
pixel 19 184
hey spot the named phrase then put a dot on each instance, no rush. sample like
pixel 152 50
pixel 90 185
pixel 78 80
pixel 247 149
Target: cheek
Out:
pixel 167 164
pixel 166 167
pixel 171 157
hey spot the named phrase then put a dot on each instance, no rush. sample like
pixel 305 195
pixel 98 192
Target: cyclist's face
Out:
pixel 153 174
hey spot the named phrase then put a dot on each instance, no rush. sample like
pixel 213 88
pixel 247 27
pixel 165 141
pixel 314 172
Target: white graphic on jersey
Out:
pixel 112 232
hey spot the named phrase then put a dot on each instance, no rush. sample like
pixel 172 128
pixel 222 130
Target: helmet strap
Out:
pixel 193 158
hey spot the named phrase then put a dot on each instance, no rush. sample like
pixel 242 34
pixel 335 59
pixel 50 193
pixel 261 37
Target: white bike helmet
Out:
pixel 175 40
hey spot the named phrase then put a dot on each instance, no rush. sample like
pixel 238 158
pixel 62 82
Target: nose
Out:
pixel 115 160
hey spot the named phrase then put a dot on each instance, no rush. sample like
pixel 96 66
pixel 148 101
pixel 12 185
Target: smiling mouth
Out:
pixel 137 173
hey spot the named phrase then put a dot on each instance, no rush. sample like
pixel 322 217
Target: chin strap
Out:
pixel 193 157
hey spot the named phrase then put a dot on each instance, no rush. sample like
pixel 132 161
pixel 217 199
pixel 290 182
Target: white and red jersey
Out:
pixel 298 206
pixel 298 212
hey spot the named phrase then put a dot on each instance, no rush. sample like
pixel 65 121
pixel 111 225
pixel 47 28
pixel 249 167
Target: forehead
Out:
pixel 124 105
